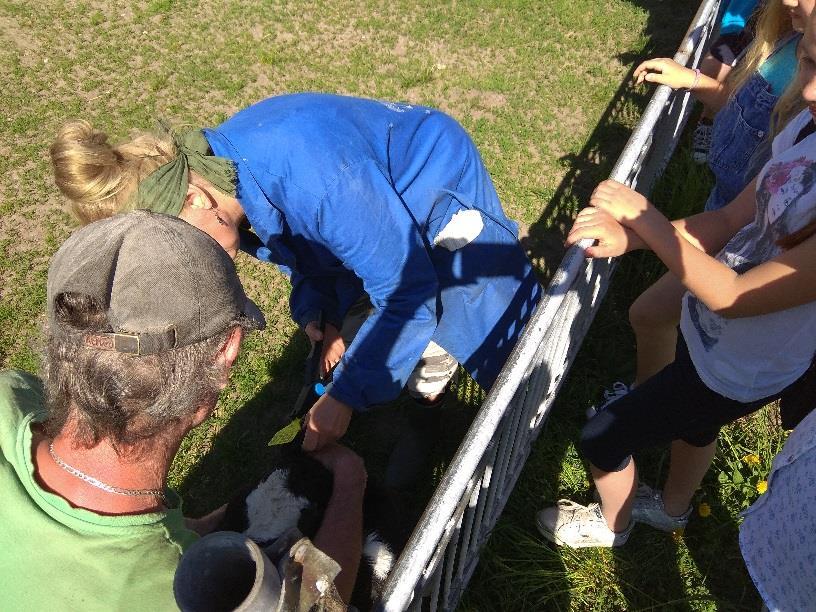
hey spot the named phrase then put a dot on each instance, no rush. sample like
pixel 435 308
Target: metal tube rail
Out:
pixel 482 473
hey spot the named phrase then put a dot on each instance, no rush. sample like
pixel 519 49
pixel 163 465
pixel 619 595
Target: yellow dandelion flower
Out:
pixel 762 486
pixel 751 459
pixel 704 510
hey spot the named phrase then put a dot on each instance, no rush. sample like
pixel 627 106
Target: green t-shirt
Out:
pixel 57 557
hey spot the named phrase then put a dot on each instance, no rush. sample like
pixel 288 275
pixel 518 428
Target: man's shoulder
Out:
pixel 21 394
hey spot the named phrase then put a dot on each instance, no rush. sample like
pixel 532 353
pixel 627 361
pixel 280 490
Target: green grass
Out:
pixel 538 83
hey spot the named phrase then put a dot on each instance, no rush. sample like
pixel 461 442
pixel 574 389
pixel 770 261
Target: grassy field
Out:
pixel 540 86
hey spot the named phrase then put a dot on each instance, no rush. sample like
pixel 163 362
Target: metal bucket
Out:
pixel 225 571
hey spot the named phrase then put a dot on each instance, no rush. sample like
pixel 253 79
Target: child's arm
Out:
pixel 664 71
pixel 786 281
pixel 708 231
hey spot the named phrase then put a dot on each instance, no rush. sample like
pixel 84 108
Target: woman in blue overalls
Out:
pixel 354 197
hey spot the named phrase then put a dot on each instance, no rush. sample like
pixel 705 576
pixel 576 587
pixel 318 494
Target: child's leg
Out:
pixel 654 316
pixel 687 468
pixel 617 492
pixel 673 405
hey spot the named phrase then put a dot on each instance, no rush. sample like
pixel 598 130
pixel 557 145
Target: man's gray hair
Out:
pixel 122 397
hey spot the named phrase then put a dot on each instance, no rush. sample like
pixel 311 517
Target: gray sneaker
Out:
pixel 617 391
pixel 648 509
pixel 701 142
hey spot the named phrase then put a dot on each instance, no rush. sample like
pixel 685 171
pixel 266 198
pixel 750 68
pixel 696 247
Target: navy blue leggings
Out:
pixel 674 404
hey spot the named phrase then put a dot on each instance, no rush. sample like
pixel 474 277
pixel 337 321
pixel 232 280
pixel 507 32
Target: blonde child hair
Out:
pixel 99 178
pixel 773 23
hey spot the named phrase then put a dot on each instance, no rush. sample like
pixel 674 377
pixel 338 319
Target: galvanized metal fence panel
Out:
pixel 442 553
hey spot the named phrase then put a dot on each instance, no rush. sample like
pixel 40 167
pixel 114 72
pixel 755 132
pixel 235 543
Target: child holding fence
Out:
pixel 737 154
pixel 745 100
pixel 736 33
pixel 748 329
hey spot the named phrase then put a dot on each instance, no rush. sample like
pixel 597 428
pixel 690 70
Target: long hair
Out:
pixel 789 104
pixel 773 22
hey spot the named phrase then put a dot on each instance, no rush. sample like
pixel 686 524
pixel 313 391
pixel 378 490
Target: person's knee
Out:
pixel 600 444
pixel 657 309
pixel 642 315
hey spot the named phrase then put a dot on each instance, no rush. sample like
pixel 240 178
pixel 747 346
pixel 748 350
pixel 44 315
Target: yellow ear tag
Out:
pixel 286 434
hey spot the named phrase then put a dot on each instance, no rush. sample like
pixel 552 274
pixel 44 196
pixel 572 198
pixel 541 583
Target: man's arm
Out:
pixel 340 535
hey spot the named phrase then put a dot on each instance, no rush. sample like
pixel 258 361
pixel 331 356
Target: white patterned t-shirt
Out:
pixel 751 358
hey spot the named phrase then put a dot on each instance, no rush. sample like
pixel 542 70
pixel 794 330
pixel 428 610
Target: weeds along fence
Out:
pixel 443 551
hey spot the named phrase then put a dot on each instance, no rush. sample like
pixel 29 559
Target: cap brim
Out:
pixel 254 315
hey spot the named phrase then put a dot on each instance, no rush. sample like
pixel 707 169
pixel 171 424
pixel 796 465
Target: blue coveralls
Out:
pixel 349 194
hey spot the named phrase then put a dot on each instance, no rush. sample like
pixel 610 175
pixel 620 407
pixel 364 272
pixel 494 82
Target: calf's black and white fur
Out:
pixel 295 494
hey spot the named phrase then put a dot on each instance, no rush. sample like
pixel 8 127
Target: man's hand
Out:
pixel 206 524
pixel 624 204
pixel 333 345
pixel 326 422
pixel 612 238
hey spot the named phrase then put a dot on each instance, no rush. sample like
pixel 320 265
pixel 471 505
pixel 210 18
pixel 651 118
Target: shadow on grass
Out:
pixel 239 452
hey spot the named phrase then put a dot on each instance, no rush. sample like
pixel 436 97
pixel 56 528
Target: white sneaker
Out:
pixel 617 391
pixel 577 526
pixel 648 509
pixel 701 142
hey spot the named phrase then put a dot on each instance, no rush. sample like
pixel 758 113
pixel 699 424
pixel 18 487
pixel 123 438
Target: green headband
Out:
pixel 165 189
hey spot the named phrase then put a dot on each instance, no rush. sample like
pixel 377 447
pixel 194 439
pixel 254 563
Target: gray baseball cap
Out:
pixel 164 283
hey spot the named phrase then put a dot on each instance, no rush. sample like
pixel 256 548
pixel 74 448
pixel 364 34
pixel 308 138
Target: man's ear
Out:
pixel 230 349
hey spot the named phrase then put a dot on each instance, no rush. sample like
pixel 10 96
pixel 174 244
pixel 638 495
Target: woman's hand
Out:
pixel 665 71
pixel 326 422
pixel 622 203
pixel 333 345
pixel 207 523
pixel 612 238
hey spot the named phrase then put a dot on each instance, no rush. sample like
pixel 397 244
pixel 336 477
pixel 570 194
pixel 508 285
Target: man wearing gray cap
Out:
pixel 145 319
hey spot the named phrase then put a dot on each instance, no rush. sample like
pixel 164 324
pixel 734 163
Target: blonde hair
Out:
pixel 773 23
pixel 789 104
pixel 99 178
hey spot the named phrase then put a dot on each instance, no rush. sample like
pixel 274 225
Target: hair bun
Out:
pixel 87 169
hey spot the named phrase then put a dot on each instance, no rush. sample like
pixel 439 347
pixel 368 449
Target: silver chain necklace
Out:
pixel 101 485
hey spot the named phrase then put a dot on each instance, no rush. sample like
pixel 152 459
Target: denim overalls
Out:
pixel 739 148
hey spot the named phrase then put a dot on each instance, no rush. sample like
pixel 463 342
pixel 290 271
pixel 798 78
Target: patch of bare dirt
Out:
pixel 15 35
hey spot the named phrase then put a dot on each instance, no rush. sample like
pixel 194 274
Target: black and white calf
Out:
pixel 295 494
